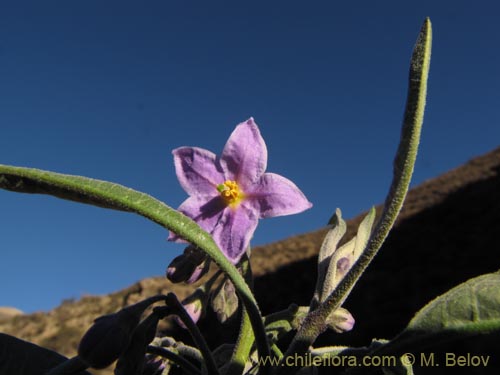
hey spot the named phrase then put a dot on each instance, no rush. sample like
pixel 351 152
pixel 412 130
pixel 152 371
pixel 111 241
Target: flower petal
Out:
pixel 244 158
pixel 198 171
pixel 206 213
pixel 234 231
pixel 275 195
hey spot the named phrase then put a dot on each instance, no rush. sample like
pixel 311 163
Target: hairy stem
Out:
pixel 246 337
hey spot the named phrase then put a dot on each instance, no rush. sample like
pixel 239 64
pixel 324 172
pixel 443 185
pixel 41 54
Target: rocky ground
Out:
pixel 446 234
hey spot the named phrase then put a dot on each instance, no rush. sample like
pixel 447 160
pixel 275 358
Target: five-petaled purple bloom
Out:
pixel 230 193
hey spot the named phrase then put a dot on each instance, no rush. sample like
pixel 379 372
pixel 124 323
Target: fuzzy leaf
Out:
pixel 98 193
pixel 333 236
pixel 364 232
pixel 225 301
pixel 470 309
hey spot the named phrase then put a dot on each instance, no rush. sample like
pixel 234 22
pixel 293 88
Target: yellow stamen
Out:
pixel 231 193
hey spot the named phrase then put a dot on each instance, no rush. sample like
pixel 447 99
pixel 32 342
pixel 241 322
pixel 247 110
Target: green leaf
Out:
pixel 328 247
pixel 337 230
pixel 470 309
pixel 118 197
pixel 364 232
pixel 99 193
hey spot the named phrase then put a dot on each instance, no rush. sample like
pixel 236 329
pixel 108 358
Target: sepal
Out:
pixel 225 301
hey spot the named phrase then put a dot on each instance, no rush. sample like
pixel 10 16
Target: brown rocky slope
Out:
pixel 446 234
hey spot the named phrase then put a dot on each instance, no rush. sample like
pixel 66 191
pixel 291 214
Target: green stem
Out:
pixel 243 346
pixel 404 162
pixel 246 336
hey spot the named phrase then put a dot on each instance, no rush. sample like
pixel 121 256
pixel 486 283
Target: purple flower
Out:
pixel 230 193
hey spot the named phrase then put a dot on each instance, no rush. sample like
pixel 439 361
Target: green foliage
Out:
pixel 100 193
pixel 471 307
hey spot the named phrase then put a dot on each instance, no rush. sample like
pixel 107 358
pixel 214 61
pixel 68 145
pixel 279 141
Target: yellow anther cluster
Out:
pixel 230 191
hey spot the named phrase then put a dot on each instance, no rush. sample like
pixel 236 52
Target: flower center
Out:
pixel 230 192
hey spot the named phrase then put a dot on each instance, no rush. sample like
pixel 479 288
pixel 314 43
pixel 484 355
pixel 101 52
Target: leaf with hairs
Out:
pixel 470 309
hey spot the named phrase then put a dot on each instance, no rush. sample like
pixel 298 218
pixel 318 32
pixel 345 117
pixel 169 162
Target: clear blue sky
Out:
pixel 107 89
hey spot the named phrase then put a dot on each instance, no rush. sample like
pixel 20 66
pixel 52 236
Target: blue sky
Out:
pixel 107 89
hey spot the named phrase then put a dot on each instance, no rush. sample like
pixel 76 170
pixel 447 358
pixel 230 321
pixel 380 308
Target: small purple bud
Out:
pixel 340 320
pixel 188 267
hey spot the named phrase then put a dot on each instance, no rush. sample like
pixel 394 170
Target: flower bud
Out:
pixel 188 267
pixel 341 260
pixel 110 335
pixel 105 340
pixel 340 320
